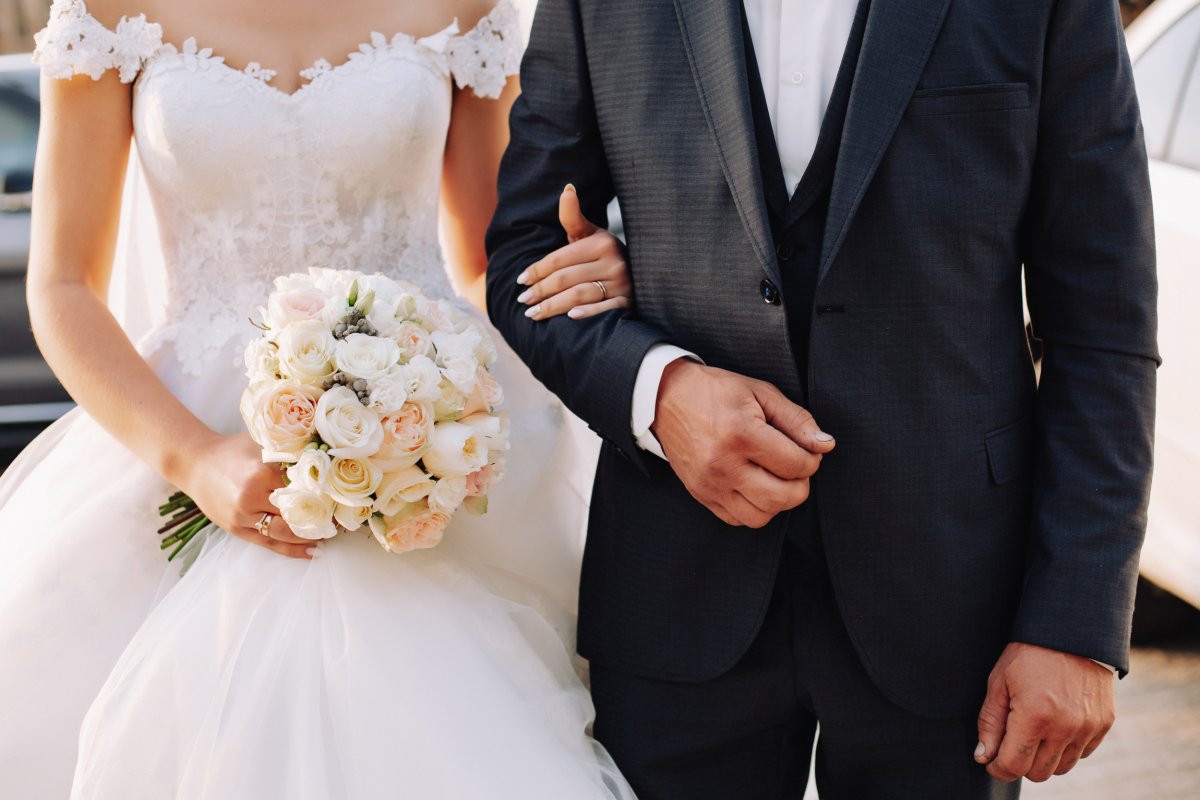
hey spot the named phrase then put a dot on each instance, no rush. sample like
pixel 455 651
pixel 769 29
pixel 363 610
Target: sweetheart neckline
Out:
pixel 321 68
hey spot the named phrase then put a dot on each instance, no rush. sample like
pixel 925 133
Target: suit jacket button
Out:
pixel 785 251
pixel 770 294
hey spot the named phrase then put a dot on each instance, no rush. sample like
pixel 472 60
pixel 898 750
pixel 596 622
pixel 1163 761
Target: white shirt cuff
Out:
pixel 1108 667
pixel 645 393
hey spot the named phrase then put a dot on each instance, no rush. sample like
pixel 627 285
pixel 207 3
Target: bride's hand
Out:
pixel 587 277
pixel 231 485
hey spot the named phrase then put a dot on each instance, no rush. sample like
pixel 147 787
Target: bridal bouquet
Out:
pixel 377 401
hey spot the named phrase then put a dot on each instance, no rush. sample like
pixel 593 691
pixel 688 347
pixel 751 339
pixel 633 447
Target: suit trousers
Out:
pixel 749 734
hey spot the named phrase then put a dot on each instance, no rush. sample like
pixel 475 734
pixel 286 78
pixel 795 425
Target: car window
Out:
pixel 18 139
pixel 1160 74
pixel 1185 139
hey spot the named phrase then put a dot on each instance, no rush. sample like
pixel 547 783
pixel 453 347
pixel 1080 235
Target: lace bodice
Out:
pixel 249 182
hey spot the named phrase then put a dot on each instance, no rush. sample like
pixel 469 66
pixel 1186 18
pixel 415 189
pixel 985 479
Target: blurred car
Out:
pixel 1164 44
pixel 30 395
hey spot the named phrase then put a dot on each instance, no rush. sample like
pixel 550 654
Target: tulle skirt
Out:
pixel 440 674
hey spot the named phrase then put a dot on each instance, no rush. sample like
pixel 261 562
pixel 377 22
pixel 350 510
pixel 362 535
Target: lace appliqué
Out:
pixel 487 55
pixel 75 43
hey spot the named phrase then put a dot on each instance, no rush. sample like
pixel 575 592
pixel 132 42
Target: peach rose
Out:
pixel 405 436
pixel 280 417
pixel 415 528
pixel 480 481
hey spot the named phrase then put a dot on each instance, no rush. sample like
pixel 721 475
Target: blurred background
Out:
pixel 1154 752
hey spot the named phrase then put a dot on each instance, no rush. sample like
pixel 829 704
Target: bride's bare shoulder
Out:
pixel 470 12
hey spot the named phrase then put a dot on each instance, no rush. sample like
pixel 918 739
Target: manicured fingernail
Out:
pixel 532 312
pixel 313 551
pixel 821 436
pixel 523 278
pixel 575 313
pixel 980 751
pixel 525 296
pixel 570 188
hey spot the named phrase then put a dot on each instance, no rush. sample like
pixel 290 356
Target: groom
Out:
pixel 829 208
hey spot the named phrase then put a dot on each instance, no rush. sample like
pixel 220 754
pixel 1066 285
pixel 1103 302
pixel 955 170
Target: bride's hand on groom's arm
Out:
pixel 232 486
pixel 739 445
pixel 586 277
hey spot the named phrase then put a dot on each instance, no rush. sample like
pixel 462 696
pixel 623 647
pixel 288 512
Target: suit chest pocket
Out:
pixel 968 99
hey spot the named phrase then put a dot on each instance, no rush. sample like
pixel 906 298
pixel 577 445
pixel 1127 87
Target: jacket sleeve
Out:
pixel 1092 292
pixel 591 364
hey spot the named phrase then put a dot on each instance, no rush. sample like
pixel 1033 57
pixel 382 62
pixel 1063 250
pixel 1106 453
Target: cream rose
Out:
pixel 448 494
pixel 455 449
pixel 492 427
pixel 311 471
pixel 352 481
pixel 308 514
pixel 405 436
pixel 281 417
pixel 343 423
pixel 366 357
pixel 416 528
pixel 306 352
pixel 351 517
pixel 401 489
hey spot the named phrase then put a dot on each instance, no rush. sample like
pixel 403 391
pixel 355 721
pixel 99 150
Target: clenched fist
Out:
pixel 739 445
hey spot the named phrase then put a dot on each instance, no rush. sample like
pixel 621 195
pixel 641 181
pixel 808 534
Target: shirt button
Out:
pixel 770 294
pixel 785 251
pixel 797 78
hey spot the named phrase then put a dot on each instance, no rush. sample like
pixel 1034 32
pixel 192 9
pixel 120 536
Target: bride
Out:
pixel 273 668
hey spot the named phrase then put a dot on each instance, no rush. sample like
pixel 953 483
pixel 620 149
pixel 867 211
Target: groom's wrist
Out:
pixel 646 391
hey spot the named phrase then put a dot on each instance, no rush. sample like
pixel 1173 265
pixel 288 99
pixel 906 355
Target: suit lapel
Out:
pixel 896 45
pixel 712 35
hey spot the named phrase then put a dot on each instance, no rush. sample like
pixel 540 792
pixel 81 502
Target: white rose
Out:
pixel 308 514
pixel 306 352
pixel 436 316
pixel 366 357
pixel 262 360
pixel 457 359
pixel 448 494
pixel 400 489
pixel 421 379
pixel 352 481
pixel 351 517
pixel 492 427
pixel 451 403
pixel 489 388
pixel 334 283
pixel 388 393
pixel 350 430
pixel 455 449
pixel 285 308
pixel 311 470
pixel 413 339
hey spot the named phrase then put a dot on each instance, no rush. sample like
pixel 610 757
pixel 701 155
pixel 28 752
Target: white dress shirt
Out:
pixel 799 46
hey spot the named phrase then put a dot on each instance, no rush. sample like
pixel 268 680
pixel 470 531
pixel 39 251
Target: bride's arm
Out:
pixel 476 142
pixel 83 148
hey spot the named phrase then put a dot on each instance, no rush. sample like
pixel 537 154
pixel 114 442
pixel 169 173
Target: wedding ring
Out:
pixel 603 291
pixel 264 524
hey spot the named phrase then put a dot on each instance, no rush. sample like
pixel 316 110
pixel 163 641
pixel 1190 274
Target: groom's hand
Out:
pixel 739 445
pixel 1044 711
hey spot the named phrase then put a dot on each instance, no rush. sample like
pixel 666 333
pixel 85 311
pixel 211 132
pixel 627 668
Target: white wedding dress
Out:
pixel 445 673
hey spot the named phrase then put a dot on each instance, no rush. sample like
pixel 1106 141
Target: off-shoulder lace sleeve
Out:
pixel 484 57
pixel 76 43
